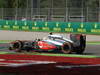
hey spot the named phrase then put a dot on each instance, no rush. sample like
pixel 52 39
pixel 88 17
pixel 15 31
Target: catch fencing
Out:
pixel 86 14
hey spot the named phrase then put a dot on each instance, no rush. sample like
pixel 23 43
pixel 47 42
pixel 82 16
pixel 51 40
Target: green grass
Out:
pixel 72 55
pixel 93 42
pixel 53 54
pixel 65 55
pixel 4 52
pixel 5 41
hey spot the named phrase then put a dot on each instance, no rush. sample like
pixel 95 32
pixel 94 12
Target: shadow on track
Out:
pixel 90 49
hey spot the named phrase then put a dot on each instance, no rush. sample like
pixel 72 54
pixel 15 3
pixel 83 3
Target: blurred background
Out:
pixel 51 10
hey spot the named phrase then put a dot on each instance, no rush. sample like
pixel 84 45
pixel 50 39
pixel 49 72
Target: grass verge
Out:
pixel 53 54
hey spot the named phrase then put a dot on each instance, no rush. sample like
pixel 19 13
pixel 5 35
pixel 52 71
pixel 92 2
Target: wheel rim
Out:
pixel 17 45
pixel 66 48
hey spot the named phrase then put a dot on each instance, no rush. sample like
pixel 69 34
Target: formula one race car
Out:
pixel 76 44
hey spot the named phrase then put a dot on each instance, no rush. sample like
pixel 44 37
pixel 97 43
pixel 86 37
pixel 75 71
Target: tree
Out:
pixel 93 3
pixel 13 3
pixel 2 3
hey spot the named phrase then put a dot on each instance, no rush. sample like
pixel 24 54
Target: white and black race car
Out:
pixel 76 44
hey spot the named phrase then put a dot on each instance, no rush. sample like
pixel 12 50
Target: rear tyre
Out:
pixel 82 45
pixel 66 48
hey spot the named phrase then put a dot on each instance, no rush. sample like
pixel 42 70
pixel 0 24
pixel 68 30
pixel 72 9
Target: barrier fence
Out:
pixel 73 27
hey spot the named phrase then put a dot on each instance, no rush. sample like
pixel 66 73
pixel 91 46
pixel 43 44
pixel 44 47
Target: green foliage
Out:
pixel 12 3
pixel 2 3
pixel 22 3
pixel 93 3
pixel 53 3
pixel 48 3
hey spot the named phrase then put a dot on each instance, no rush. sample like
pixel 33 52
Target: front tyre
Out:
pixel 16 46
pixel 66 48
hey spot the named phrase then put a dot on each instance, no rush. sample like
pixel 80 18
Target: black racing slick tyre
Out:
pixel 18 45
pixel 66 48
pixel 82 46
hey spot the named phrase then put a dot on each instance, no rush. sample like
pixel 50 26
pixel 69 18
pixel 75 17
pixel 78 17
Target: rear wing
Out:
pixel 78 39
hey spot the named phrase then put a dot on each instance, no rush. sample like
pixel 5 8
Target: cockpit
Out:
pixel 55 37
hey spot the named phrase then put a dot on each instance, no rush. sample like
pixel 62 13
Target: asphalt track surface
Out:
pixel 22 35
pixel 91 49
